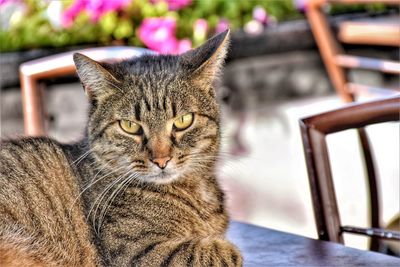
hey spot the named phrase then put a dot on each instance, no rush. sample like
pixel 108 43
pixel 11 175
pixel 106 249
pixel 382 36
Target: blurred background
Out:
pixel 274 75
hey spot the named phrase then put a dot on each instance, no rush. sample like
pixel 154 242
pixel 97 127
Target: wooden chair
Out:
pixel 314 130
pixel 337 63
pixel 55 66
pixel 384 32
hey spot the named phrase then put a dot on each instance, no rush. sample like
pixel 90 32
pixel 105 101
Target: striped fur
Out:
pixel 103 201
pixel 37 186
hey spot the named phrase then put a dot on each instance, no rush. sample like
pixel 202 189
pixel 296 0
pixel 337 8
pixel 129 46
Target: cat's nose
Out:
pixel 161 162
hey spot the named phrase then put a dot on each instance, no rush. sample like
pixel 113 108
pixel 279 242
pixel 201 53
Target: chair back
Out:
pixel 371 31
pixel 314 131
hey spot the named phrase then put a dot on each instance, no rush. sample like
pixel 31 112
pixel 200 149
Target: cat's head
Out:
pixel 155 118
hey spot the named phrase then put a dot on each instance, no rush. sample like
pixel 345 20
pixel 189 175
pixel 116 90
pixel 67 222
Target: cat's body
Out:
pixel 37 227
pixel 140 190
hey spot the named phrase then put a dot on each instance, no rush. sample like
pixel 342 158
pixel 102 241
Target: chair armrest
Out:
pixel 62 64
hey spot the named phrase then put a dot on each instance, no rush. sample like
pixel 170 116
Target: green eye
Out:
pixel 130 127
pixel 184 122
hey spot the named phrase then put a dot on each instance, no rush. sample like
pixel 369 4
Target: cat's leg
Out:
pixel 201 252
pixel 14 256
pixel 217 252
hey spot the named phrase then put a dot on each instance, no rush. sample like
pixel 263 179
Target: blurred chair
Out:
pixel 314 131
pixel 384 31
pixel 31 72
pixel 377 31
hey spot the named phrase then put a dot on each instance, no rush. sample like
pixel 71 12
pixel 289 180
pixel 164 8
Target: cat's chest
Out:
pixel 183 204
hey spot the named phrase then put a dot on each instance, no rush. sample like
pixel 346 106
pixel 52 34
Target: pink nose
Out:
pixel 161 162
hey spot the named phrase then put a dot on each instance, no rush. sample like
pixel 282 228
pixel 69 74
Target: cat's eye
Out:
pixel 130 127
pixel 184 122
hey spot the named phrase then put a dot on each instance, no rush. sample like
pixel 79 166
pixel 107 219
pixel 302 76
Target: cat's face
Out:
pixel 159 128
pixel 155 118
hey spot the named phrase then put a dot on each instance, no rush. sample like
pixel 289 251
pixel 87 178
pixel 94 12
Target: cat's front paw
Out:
pixel 220 252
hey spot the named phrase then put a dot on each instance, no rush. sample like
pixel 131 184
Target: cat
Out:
pixel 140 188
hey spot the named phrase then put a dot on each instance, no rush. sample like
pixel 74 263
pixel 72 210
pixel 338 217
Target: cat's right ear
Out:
pixel 96 80
pixel 205 62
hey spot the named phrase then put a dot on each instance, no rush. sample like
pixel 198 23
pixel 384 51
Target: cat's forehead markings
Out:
pixel 137 111
pixel 146 102
pixel 173 108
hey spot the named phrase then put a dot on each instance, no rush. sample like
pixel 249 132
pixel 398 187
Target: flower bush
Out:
pixel 159 34
pixel 166 26
pixel 94 8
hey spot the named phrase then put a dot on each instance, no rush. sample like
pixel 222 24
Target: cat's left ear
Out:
pixel 97 81
pixel 205 62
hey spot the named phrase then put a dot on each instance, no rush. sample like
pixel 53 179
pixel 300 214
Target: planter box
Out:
pixel 284 37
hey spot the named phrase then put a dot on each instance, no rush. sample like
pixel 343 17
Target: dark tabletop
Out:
pixel 265 247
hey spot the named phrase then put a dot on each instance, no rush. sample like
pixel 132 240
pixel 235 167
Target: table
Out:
pixel 265 247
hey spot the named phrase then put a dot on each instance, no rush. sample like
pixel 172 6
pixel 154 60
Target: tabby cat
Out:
pixel 140 189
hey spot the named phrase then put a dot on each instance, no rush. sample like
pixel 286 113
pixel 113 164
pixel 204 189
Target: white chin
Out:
pixel 161 178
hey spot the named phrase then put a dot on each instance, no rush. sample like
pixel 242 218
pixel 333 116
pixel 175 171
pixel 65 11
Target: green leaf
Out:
pixel 124 30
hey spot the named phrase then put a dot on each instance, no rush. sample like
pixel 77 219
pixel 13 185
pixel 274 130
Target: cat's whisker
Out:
pixel 110 200
pixel 209 158
pixel 121 178
pixel 102 196
pixel 101 178
pixel 221 163
pixel 241 157
pixel 92 183
pixel 200 162
pixel 99 199
pixel 220 158
pixel 81 157
pixel 210 155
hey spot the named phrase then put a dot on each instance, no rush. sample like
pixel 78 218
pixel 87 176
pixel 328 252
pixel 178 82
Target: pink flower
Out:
pixel 158 34
pixel 184 45
pixel 253 27
pixel 95 9
pixel 71 12
pixel 260 15
pixel 300 5
pixel 174 4
pixel 2 2
pixel 200 28
pixel 178 4
pixel 223 24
